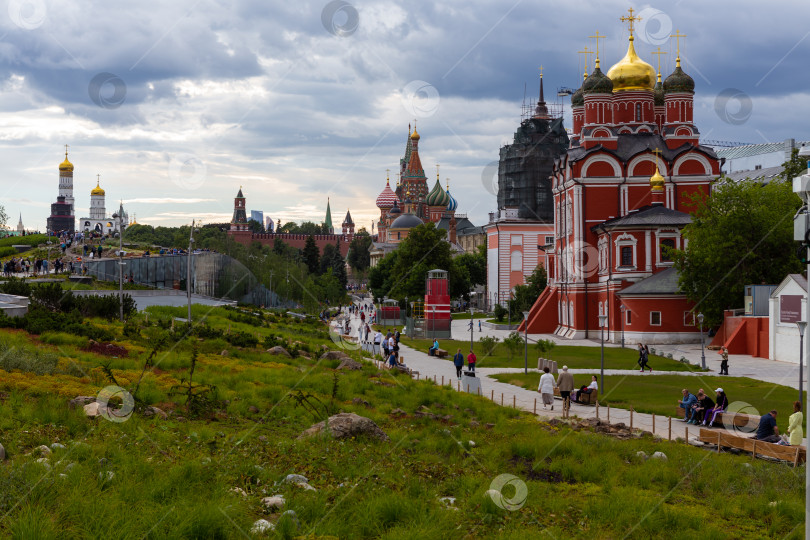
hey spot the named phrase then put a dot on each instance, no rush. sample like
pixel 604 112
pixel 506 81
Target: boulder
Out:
pixel 92 410
pixel 278 349
pixel 2 453
pixel 275 502
pixel 398 412
pixel 659 455
pixel 295 479
pixel 57 446
pixel 344 425
pixel 334 355
pixel 239 491
pixel 642 454
pixel 350 364
pixel 224 352
pixel 262 526
pixel 42 450
pixel 154 411
pixel 80 401
pixel 253 409
pixel 361 401
pixel 44 462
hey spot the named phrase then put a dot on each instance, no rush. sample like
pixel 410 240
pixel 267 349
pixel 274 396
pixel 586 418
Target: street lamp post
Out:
pixel 472 312
pixel 602 323
pixel 188 270
pixel 120 266
pixel 525 342
pixel 433 321
pixel 802 325
pixel 622 308
pixel 702 352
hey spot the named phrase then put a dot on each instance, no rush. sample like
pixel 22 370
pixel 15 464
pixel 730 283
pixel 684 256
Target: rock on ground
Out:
pixel 2 453
pixel 154 411
pixel 80 401
pixel 660 455
pixel 278 349
pixel 334 355
pixel 92 410
pixel 274 502
pixel 344 425
pixel 262 526
pixel 350 364
pixel 296 479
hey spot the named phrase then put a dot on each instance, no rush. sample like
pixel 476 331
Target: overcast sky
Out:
pixel 176 104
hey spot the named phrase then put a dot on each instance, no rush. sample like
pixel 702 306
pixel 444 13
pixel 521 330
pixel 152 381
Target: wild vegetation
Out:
pixel 203 471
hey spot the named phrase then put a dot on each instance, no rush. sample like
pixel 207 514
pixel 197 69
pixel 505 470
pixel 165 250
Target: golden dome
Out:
pixel 657 181
pixel 97 190
pixel 631 72
pixel 66 165
pixel 414 135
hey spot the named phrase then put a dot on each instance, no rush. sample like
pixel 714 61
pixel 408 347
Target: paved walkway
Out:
pixel 443 372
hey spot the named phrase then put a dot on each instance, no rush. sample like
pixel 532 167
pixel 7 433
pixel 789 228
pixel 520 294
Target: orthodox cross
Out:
pixel 630 19
pixel 677 35
pixel 659 52
pixel 66 150
pixel 586 52
pixel 597 37
pixel 437 171
pixel 387 175
pixel 657 153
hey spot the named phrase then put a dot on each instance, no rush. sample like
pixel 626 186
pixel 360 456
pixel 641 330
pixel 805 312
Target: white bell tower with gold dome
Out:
pixel 66 181
pixel 97 196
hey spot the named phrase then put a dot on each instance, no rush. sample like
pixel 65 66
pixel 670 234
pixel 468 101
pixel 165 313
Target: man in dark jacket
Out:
pixel 767 430
pixel 704 404
pixel 458 361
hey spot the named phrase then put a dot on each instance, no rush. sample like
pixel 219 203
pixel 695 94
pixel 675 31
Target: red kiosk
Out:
pixel 437 305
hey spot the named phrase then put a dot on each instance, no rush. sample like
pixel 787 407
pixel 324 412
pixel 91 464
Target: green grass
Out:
pixel 659 394
pixel 29 240
pixel 174 478
pixel 575 357
pixel 466 316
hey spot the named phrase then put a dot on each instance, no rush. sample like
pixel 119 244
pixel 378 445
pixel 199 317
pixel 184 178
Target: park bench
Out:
pixel 440 353
pixel 726 419
pixel 586 399
pixel 724 439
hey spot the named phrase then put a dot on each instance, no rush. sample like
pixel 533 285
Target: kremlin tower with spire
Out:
pixel 621 197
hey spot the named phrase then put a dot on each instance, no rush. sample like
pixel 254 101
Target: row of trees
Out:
pixel 403 272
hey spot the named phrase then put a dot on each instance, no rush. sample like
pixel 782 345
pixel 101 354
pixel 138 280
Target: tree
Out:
pixel 3 216
pixel 331 259
pixel 476 265
pixel 381 277
pixel 312 255
pixel 741 234
pixel 424 249
pixel 795 166
pixel 256 227
pixel 359 256
pixel 526 295
pixel 513 343
pixel 279 246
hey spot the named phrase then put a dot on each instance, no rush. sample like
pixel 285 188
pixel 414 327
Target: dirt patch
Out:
pixel 107 349
pixel 526 470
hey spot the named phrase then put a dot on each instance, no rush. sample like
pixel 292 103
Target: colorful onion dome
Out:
pixel 414 135
pixel 437 196
pixel 387 198
pixel 452 204
pixel 679 81
pixel 577 99
pixel 631 72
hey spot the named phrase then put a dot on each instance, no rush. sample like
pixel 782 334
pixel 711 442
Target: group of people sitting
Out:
pixel 700 408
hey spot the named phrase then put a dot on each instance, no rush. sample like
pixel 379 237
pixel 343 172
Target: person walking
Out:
pixel 565 383
pixel 724 361
pixel 644 355
pixel 458 361
pixel 546 388
pixel 471 359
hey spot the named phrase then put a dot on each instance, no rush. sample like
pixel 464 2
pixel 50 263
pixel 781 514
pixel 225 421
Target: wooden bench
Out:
pixel 731 419
pixel 587 399
pixel 440 353
pixel 724 439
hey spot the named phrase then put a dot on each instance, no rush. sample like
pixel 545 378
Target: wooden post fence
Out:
pixel 493 396
pixel 669 429
pixel 631 417
pixel 442 380
pixel 535 406
pixel 501 399
pixel 653 429
pixel 514 402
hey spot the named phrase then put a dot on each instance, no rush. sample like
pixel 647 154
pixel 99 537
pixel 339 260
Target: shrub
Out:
pixel 488 343
pixel 513 343
pixel 15 286
pixel 27 359
pixel 242 339
pixel 499 312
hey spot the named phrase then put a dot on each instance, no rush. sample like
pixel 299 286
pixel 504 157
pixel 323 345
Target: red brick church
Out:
pixel 621 198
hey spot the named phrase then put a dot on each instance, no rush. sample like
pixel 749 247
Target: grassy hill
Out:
pixel 204 474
